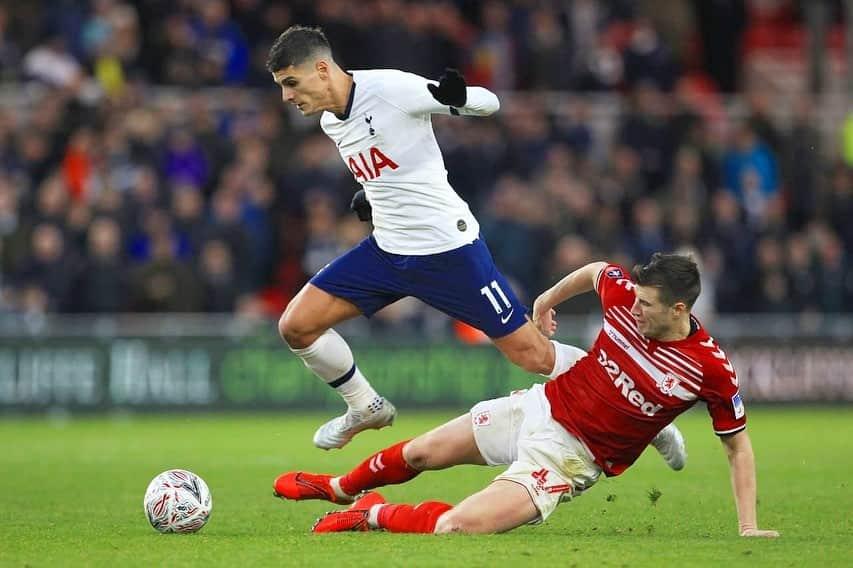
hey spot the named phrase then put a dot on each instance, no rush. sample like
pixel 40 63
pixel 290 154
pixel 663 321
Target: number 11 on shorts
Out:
pixel 491 297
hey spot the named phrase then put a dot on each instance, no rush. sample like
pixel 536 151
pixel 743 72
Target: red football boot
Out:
pixel 300 486
pixel 352 519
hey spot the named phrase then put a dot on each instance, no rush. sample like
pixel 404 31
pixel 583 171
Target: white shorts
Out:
pixel 519 430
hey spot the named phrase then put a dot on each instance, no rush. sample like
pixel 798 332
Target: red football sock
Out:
pixel 408 519
pixel 385 467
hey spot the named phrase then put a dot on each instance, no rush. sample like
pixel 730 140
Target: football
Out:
pixel 178 501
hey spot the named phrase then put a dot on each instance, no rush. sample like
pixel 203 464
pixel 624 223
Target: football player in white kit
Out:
pixel 426 242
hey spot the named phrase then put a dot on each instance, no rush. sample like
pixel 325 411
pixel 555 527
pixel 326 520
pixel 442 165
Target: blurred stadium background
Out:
pixel 159 206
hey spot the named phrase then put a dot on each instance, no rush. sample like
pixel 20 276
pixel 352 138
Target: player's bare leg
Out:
pixel 450 444
pixel 528 348
pixel 306 326
pixel 311 312
pixel 502 506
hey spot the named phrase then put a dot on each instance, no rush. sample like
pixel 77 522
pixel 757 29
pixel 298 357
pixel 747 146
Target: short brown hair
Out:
pixel 675 275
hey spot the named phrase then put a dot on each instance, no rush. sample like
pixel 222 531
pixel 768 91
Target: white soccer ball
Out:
pixel 178 501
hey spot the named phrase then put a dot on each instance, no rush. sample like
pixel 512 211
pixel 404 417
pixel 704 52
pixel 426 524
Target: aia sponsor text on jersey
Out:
pixel 367 165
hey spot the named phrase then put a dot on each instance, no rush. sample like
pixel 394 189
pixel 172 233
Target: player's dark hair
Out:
pixel 675 275
pixel 295 45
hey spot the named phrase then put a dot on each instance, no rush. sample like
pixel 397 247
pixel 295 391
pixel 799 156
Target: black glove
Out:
pixel 450 90
pixel 361 206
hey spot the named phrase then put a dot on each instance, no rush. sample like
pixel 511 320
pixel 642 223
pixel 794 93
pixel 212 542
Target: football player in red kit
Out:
pixel 651 361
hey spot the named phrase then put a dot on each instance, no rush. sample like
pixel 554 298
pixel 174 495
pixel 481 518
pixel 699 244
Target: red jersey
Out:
pixel 629 387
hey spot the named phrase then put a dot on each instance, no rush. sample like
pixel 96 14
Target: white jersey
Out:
pixel 387 142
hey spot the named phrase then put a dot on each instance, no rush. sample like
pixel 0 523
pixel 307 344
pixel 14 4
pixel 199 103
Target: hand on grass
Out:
pixel 759 532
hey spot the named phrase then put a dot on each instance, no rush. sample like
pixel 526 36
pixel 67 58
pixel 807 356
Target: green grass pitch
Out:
pixel 72 495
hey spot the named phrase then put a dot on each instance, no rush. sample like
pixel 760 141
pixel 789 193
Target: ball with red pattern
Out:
pixel 177 501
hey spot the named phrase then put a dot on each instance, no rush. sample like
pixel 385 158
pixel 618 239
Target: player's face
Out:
pixel 655 319
pixel 305 86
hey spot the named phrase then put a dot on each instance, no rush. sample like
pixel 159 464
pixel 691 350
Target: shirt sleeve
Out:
pixel 614 286
pixel 409 93
pixel 721 392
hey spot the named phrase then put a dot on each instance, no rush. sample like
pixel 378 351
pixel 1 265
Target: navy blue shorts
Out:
pixel 464 283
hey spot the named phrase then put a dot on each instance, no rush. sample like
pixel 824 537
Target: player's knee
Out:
pixel 529 349
pixel 536 365
pixel 533 359
pixel 446 523
pixel 455 522
pixel 419 453
pixel 285 328
pixel 293 330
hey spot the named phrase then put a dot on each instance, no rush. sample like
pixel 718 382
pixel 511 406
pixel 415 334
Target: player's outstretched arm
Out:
pixel 742 468
pixel 456 97
pixel 419 96
pixel 452 90
pixel 579 281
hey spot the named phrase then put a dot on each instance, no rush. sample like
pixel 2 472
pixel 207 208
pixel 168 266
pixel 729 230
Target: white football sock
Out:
pixel 373 516
pixel 565 356
pixel 335 483
pixel 330 358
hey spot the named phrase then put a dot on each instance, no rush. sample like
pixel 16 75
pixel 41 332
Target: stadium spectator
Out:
pixel 220 284
pixel 322 245
pixel 802 147
pixel 547 52
pixel 529 137
pixel 516 226
pixel 750 170
pixel 839 204
pixel 101 283
pixel 802 278
pixel 10 219
pixel 10 55
pixel 221 50
pixel 647 58
pixel 495 51
pixel 721 25
pixel 572 127
pixel 78 168
pixel 48 265
pixel 188 212
pixel 72 156
pixel 647 235
pixel 687 185
pixel 163 283
pixel 156 227
pixel 647 130
pixel 834 275
pixel 732 238
pixel 774 293
pixel 51 63
pixel 184 159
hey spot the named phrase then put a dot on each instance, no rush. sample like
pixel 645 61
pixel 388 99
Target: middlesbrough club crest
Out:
pixel 668 383
pixel 483 418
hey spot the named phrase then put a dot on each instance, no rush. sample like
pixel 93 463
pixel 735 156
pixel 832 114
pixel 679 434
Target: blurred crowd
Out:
pixel 120 193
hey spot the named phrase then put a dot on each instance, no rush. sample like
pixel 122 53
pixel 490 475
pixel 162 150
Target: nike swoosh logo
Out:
pixel 509 315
